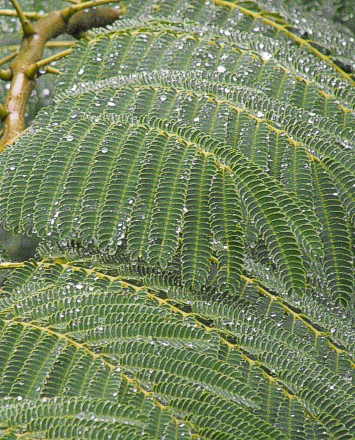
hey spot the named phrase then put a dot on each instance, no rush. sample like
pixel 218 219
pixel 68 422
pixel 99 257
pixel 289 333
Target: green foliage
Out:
pixel 112 357
pixel 193 188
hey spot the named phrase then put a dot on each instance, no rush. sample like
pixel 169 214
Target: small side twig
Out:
pixel 60 43
pixel 50 69
pixel 16 47
pixel 8 58
pixel 31 71
pixel 11 13
pixel 26 25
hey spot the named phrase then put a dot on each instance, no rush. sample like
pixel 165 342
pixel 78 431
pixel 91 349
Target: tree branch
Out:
pixel 24 67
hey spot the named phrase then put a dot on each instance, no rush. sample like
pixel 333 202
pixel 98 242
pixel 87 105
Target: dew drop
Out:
pixel 221 69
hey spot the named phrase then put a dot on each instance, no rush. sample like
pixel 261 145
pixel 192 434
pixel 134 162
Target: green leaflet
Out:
pixel 171 198
pixel 225 223
pixel 283 248
pixel 148 178
pixel 121 189
pixel 338 264
pixel 196 248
